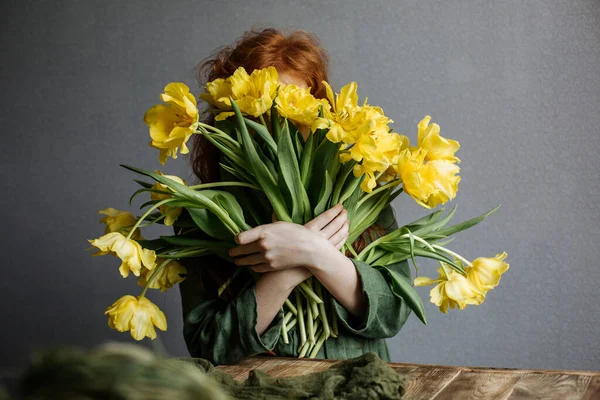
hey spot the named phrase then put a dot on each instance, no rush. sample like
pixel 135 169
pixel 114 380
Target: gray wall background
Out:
pixel 516 82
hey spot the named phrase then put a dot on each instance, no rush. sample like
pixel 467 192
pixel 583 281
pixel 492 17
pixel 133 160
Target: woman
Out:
pixel 246 320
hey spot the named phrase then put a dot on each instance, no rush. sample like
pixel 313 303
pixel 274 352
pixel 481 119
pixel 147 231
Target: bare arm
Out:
pixel 287 254
pixel 271 291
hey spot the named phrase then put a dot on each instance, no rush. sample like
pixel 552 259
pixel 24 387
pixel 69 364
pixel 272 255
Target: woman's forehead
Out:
pixel 287 78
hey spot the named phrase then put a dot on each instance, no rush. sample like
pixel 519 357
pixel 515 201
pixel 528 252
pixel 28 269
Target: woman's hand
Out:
pixel 284 245
pixel 333 225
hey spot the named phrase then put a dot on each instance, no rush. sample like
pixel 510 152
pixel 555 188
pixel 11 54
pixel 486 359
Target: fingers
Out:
pixel 254 259
pixel 261 268
pixel 250 248
pixel 250 235
pixel 335 225
pixel 340 244
pixel 340 236
pixel 325 218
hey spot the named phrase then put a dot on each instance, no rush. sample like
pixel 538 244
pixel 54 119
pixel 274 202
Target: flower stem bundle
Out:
pixel 295 156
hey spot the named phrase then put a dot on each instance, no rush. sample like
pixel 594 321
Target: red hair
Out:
pixel 297 53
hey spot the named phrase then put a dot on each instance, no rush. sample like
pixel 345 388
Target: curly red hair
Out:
pixel 298 53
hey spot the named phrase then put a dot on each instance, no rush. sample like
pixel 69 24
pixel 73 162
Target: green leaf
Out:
pixel 305 159
pixel 210 224
pixel 229 203
pixel 226 126
pixel 401 286
pixel 412 249
pixel 239 173
pixel 143 184
pixel 290 175
pixel 346 169
pixel 263 177
pixel 153 244
pixel 367 213
pixel 191 241
pixel 275 125
pixel 467 224
pixel 198 198
pixel 297 139
pixel 404 250
pixel 352 200
pixel 263 132
pixel 436 225
pixel 430 218
pixel 324 195
pixel 324 158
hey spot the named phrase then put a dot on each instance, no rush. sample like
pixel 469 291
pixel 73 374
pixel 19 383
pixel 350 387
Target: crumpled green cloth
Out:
pixel 366 378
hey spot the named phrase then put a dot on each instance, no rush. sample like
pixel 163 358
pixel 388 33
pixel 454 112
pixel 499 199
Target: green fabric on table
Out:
pixel 364 378
pixel 224 331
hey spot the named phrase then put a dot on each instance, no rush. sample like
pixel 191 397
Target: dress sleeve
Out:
pixel 386 313
pixel 223 331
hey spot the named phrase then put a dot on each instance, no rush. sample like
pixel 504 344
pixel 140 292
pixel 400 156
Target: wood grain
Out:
pixel 445 382
pixel 425 383
pixel 593 389
pixel 479 385
pixel 551 387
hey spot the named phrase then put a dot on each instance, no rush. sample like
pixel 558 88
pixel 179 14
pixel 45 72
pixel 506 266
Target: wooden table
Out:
pixel 439 382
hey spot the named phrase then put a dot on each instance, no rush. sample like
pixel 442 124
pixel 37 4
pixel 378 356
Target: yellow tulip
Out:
pixel 171 213
pixel 137 315
pixel 119 221
pixel 343 119
pixel 430 184
pixel 169 275
pixel 172 125
pixel 438 147
pixel 441 174
pixel 409 167
pixel 486 272
pixel 298 105
pixel 452 290
pixel 254 93
pixel 131 253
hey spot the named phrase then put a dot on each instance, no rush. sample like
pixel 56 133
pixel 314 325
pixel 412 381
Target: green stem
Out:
pixel 217 130
pixel 322 313
pixel 262 121
pixel 419 239
pixel 334 323
pixel 141 219
pixel 220 184
pixel 303 349
pixel 379 189
pixel 154 275
pixel 445 250
pixel 300 315
pixel 155 220
pixel 309 292
pixel 292 324
pixel 369 247
pixel 292 308
pixel 284 333
pixel 310 324
pixel 185 253
pixel 445 270
pixel 322 337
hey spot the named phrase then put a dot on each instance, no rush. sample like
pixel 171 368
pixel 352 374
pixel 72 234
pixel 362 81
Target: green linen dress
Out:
pixel 224 331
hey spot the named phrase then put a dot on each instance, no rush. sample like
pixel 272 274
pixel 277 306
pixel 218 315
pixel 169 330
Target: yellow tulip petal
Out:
pixel 424 281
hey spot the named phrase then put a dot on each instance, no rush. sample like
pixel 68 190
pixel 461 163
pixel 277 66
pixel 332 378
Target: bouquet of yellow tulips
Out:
pixel 351 156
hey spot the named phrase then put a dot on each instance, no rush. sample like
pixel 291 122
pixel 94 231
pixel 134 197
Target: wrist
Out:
pixel 285 279
pixel 325 257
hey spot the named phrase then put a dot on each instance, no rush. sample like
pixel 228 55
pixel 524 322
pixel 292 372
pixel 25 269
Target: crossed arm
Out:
pixel 287 254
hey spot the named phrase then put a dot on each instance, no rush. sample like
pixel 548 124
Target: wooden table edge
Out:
pixel 397 365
